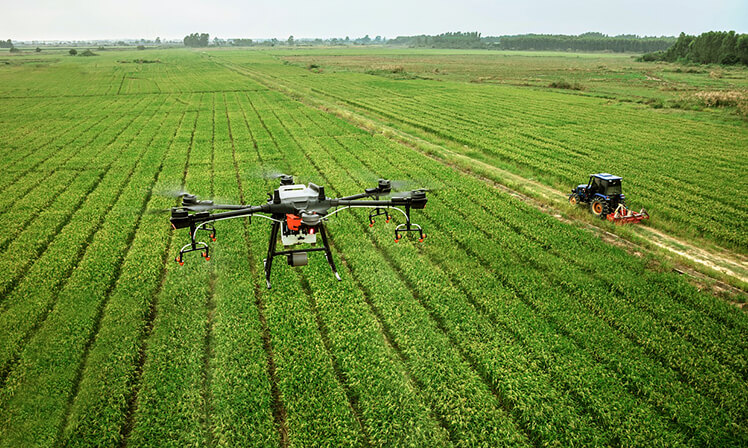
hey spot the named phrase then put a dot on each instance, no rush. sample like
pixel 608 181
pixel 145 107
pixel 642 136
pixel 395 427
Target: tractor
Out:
pixel 605 198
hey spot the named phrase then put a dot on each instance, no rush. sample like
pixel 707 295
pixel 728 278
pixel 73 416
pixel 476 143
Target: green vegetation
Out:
pixel 540 42
pixel 506 327
pixel 196 40
pixel 713 47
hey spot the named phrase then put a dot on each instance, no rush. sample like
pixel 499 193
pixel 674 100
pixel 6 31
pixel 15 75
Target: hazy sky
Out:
pixel 106 19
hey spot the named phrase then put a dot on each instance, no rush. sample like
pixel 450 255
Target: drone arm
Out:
pixel 181 218
pixel 240 211
pixel 415 203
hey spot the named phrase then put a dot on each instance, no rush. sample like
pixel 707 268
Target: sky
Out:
pixel 173 19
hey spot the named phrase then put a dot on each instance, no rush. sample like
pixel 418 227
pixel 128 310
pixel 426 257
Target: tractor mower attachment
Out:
pixel 622 215
pixel 299 214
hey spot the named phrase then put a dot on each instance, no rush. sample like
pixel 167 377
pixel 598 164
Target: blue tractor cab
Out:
pixel 603 193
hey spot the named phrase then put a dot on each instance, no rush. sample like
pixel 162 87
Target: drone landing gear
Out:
pixel 378 212
pixel 195 246
pixel 408 227
pixel 296 257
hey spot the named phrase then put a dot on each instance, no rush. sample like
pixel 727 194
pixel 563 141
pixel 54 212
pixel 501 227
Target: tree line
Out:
pixel 584 42
pixel 546 42
pixel 713 47
pixel 444 40
pixel 196 40
pixel 6 44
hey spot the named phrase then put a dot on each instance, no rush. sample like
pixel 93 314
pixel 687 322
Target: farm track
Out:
pixel 495 331
pixel 582 265
pixel 542 196
pixel 572 261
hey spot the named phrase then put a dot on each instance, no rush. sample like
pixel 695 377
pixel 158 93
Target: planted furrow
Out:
pixel 23 252
pixel 169 409
pixel 243 403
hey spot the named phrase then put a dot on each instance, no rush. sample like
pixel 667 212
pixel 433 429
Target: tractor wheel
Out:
pixel 573 199
pixel 598 207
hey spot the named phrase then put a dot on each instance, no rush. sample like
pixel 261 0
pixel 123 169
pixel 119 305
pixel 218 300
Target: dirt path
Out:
pixel 682 254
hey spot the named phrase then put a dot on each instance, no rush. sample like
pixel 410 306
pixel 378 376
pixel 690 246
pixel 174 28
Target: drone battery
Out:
pixel 298 259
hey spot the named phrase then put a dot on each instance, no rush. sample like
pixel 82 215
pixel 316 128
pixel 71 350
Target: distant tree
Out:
pixel 6 44
pixel 158 41
pixel 347 39
pixel 88 53
pixel 242 42
pixel 290 40
pixel 14 50
pixel 196 40
pixel 713 47
pixel 378 39
pixel 141 47
pixel 38 50
pixel 73 52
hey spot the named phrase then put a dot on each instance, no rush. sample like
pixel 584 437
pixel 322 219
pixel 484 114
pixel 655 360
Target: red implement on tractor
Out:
pixel 622 215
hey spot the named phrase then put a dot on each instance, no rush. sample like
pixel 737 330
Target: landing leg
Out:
pixel 328 252
pixel 268 262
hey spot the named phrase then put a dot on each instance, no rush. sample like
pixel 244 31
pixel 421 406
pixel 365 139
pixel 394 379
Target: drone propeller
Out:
pixel 409 193
pixel 172 193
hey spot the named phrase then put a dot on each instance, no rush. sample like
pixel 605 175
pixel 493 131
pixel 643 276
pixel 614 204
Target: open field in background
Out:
pixel 506 327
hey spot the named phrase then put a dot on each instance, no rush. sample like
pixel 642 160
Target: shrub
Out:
pixel 141 47
pixel 563 84
pixel 73 52
pixel 88 53
pixel 14 50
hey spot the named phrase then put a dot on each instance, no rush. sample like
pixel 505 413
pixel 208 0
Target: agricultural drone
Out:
pixel 298 212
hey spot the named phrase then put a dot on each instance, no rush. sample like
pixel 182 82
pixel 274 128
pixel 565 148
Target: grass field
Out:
pixel 505 327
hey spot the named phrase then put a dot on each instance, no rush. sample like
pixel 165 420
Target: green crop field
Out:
pixel 507 326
